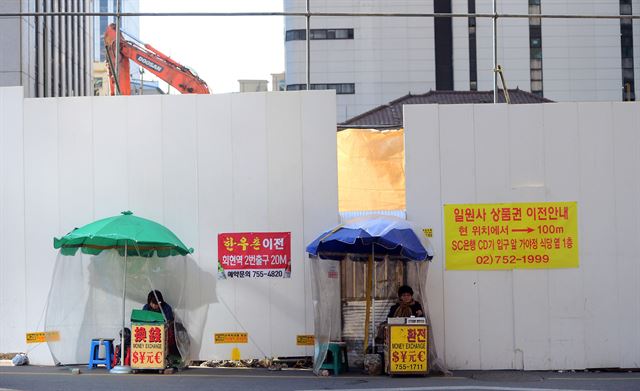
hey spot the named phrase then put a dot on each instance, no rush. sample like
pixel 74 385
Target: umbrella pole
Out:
pixel 368 304
pixel 373 300
pixel 122 368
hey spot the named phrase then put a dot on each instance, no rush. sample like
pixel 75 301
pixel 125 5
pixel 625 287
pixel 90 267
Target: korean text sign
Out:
pixel 541 235
pixel 254 255
pixel 408 348
pixel 147 346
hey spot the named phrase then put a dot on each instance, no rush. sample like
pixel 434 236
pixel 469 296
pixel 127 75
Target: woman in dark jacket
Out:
pixel 406 306
pixel 155 301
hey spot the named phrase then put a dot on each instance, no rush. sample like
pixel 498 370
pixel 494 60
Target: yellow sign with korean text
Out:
pixel 231 338
pixel 408 348
pixel 305 340
pixel 540 235
pixel 148 346
pixel 50 336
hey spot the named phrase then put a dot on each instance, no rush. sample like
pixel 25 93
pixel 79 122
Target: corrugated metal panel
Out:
pixel 353 317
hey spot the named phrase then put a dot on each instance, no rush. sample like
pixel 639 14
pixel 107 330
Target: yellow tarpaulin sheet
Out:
pixel 371 170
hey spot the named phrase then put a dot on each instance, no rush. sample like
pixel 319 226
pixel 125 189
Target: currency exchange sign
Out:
pixel 540 235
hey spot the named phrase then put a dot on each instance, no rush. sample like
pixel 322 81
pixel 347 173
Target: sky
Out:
pixel 221 50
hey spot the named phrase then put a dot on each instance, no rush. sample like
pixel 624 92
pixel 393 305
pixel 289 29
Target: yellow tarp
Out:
pixel 371 170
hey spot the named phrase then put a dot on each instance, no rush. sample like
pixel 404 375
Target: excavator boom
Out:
pixel 156 62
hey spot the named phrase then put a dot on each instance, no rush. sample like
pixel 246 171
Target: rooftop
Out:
pixel 390 114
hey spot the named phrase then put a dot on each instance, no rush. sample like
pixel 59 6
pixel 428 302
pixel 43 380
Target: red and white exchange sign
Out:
pixel 254 255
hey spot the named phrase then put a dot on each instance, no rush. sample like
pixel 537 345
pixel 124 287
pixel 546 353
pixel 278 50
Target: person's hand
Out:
pixel 419 313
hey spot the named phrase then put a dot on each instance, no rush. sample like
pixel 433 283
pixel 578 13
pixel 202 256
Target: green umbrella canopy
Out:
pixel 141 237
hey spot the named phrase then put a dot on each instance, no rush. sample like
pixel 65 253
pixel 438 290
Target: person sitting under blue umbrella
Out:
pixel 406 306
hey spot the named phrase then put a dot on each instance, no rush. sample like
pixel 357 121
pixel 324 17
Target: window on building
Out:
pixel 301 35
pixel 341 88
pixel 473 57
pixel 626 52
pixel 535 47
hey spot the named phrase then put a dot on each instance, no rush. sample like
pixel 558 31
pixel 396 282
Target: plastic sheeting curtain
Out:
pixel 85 300
pixel 327 278
pixel 325 275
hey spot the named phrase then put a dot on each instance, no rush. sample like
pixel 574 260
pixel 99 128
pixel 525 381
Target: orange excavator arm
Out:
pixel 177 75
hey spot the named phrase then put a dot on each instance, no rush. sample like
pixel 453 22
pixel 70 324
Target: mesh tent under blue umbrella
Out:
pixel 363 238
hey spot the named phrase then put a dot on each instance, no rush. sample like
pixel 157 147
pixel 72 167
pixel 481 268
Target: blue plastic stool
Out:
pixel 336 359
pixel 94 358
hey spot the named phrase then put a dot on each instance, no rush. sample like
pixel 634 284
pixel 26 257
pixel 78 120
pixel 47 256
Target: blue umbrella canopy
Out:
pixel 385 235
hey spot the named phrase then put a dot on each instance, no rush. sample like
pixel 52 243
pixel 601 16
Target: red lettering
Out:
pixel 395 357
pixel 159 357
pixel 403 356
pixel 421 356
pixel 155 334
pixel 421 336
pixel 140 334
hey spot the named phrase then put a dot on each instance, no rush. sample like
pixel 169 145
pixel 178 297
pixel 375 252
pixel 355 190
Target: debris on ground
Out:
pixel 20 359
pixel 272 364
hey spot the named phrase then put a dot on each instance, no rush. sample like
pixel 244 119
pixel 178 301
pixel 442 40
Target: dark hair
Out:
pixel 405 289
pixel 151 297
pixel 127 333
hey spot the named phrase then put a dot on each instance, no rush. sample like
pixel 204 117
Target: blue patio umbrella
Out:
pixel 383 235
pixel 370 236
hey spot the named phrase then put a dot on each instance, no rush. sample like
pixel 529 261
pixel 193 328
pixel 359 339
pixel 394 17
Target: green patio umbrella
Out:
pixel 140 237
pixel 129 235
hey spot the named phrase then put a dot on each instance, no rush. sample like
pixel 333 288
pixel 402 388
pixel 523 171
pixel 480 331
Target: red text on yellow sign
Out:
pixel 148 346
pixel 408 348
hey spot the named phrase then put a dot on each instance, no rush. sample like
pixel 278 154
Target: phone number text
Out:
pixel 512 259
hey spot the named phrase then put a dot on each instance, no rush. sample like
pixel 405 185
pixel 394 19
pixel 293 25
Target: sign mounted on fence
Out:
pixel 541 235
pixel 254 255
pixel 305 340
pixel 230 338
pixel 38 337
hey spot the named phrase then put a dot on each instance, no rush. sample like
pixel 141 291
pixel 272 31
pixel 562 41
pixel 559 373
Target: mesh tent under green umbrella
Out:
pixel 123 236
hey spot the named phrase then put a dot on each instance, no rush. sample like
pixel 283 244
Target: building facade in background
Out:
pixel 370 61
pixel 49 56
pixel 130 25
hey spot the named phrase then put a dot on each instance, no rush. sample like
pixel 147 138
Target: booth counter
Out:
pixel 148 340
pixel 406 348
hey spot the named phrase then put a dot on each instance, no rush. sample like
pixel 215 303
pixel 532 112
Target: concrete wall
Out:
pixel 533 319
pixel 201 165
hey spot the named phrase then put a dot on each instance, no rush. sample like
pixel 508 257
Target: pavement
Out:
pixel 245 379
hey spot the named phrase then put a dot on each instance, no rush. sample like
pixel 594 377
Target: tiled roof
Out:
pixel 391 113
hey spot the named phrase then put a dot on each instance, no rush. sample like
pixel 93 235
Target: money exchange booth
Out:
pixel 148 340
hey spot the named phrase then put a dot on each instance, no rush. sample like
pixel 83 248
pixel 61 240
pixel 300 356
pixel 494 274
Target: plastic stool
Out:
pixel 336 359
pixel 94 358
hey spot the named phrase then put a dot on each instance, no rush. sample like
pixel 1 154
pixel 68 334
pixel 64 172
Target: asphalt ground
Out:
pixel 61 378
